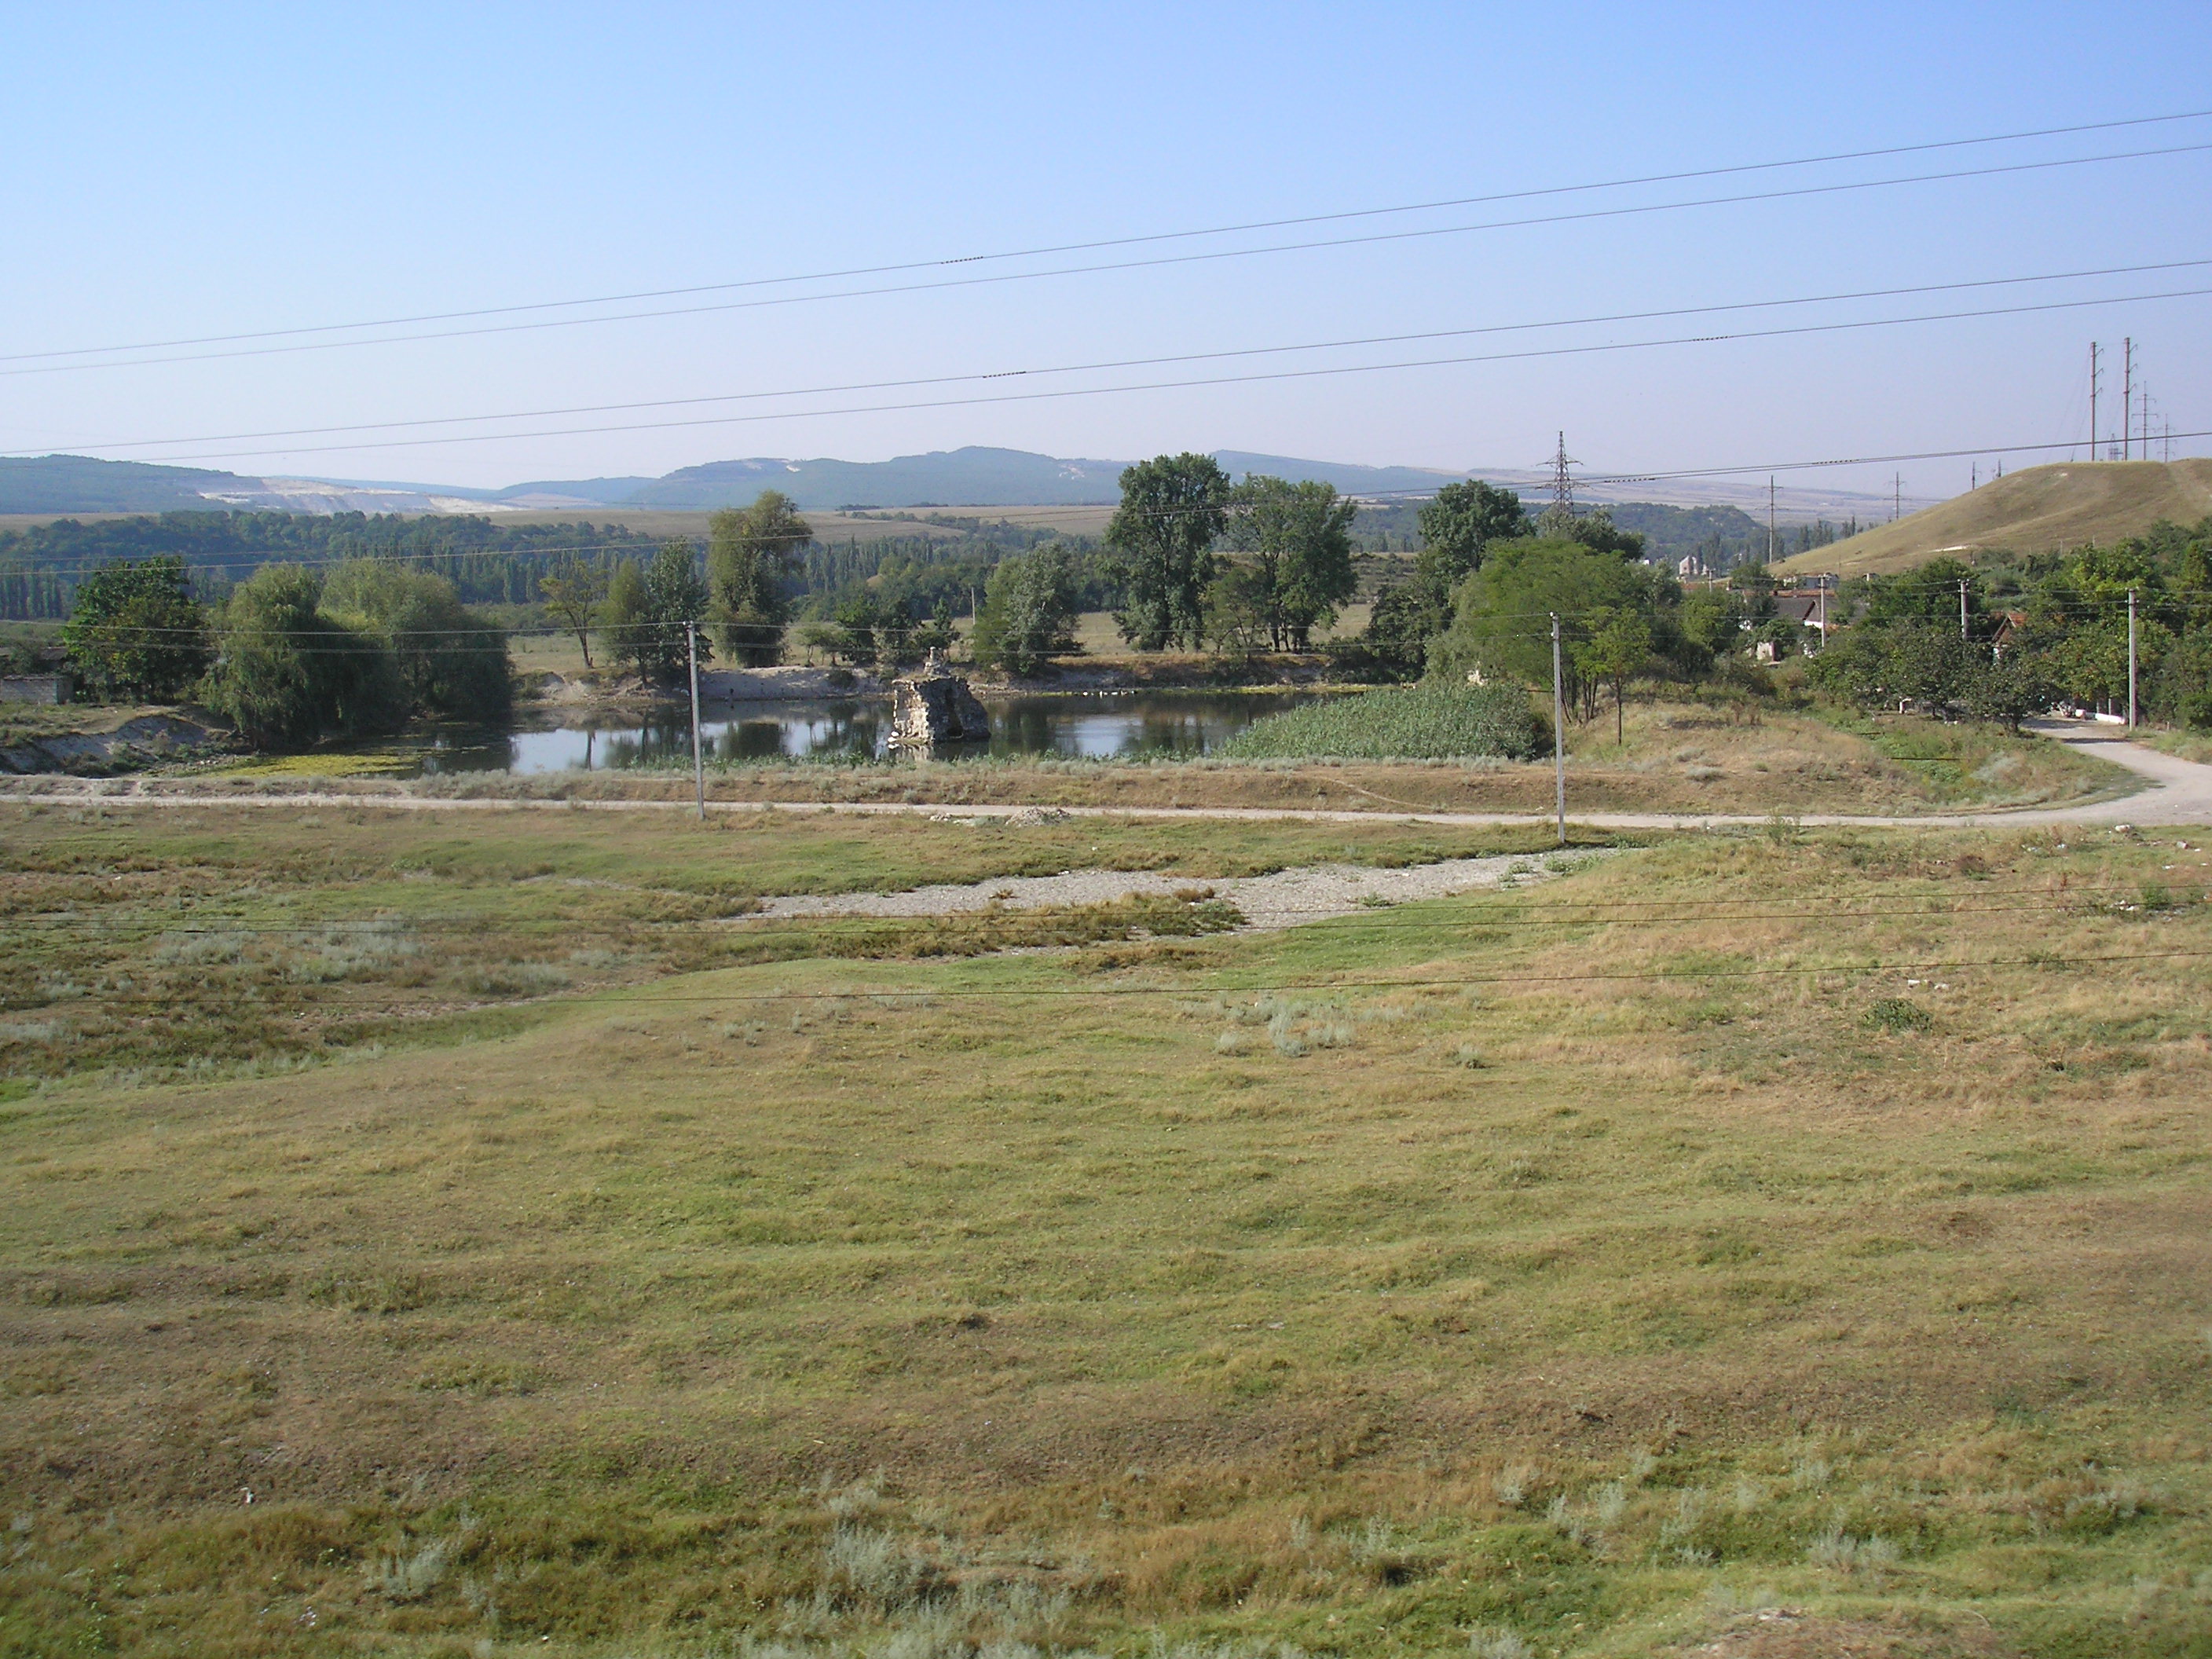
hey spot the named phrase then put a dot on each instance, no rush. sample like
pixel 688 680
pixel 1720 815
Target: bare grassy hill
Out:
pixel 2046 508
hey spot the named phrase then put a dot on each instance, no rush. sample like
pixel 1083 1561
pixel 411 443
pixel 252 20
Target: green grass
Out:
pixel 1418 722
pixel 839 1304
pixel 1958 763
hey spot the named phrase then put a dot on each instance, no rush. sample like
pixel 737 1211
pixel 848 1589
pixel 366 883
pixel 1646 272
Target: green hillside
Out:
pixel 2038 511
pixel 77 484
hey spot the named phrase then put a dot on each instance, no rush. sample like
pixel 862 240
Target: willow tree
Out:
pixel 749 555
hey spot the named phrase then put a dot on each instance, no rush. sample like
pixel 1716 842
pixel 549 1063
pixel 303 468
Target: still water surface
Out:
pixel 1090 725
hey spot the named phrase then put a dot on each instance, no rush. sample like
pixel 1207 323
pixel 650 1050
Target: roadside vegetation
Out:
pixel 1430 722
pixel 1786 1219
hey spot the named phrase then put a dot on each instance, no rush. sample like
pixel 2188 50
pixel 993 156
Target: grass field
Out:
pixel 1777 1219
pixel 2038 510
pixel 1719 757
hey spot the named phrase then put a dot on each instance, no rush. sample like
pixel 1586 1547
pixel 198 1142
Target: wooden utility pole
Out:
pixel 698 759
pixel 2131 660
pixel 1962 607
pixel 2127 400
pixel 1559 729
pixel 2093 400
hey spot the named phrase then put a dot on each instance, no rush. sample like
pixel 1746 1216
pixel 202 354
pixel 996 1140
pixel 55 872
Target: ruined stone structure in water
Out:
pixel 934 706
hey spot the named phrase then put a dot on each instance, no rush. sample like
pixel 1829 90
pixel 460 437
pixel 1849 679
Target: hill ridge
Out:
pixel 2039 509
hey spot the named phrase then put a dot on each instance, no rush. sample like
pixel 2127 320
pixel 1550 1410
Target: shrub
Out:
pixel 1434 721
pixel 136 629
pixel 288 675
pixel 1899 1014
pixel 453 661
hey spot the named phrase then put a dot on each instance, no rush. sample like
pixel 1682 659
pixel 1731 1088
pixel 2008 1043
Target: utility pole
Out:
pixel 1823 591
pixel 1558 727
pixel 2131 660
pixel 2093 400
pixel 1962 607
pixel 2127 399
pixel 1897 496
pixel 698 761
pixel 1770 518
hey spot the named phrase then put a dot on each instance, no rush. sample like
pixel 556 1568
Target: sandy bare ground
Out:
pixel 1283 899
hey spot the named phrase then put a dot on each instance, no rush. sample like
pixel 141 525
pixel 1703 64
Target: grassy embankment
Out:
pixel 2039 509
pixel 1678 758
pixel 1065 1298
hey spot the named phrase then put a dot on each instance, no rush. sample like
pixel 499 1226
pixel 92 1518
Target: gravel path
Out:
pixel 2176 791
pixel 1311 893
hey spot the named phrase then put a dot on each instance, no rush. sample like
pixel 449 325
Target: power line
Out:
pixel 1588 214
pixel 1128 362
pixel 1320 373
pixel 1048 250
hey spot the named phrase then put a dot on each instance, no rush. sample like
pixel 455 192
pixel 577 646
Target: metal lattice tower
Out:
pixel 1563 483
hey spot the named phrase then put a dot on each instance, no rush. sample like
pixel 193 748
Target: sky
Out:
pixel 185 173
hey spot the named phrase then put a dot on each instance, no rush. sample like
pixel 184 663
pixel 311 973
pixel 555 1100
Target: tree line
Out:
pixel 2005 639
pixel 290 656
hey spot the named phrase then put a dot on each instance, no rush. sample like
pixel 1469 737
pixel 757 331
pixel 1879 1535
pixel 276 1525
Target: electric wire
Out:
pixel 1322 372
pixel 1134 240
pixel 1132 362
pixel 1212 256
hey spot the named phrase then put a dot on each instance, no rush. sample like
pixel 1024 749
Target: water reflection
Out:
pixel 1092 725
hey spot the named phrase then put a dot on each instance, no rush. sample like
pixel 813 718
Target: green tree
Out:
pixel 1028 613
pixel 1928 596
pixel 1405 617
pixel 621 616
pixel 1293 543
pixel 1617 649
pixel 1594 530
pixel 453 661
pixel 646 611
pixel 573 591
pixel 287 676
pixel 1463 520
pixel 137 631
pixel 1500 624
pixel 751 553
pixel 2009 687
pixel 2184 685
pixel 1173 507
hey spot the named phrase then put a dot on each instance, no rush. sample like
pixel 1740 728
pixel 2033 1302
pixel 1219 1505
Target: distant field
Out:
pixel 2036 510
pixel 1553 1272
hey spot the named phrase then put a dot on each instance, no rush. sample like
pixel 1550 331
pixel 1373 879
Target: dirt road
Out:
pixel 2174 791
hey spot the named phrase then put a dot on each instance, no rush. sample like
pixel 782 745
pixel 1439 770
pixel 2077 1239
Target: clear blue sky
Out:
pixel 189 171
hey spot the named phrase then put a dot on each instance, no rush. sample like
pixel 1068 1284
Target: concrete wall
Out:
pixel 34 687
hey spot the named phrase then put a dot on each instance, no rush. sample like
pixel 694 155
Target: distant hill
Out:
pixel 570 492
pixel 1350 479
pixel 2038 511
pixel 76 484
pixel 957 477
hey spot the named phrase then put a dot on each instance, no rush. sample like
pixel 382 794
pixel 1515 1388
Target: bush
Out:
pixel 1420 723
pixel 288 675
pixel 135 631
pixel 453 661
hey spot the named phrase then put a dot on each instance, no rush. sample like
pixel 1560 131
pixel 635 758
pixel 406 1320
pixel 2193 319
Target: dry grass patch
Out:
pixel 938 1304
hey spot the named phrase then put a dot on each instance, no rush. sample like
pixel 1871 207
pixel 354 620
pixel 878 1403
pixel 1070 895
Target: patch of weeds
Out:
pixel 1897 1016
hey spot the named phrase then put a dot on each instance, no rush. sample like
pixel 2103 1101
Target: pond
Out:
pixel 1093 725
